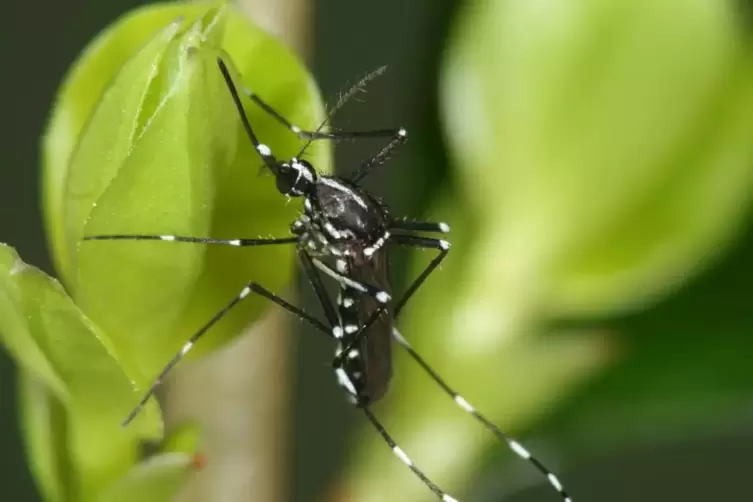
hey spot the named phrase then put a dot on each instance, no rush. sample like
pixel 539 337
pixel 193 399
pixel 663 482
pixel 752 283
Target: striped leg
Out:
pixel 420 226
pixel 423 242
pixel 398 135
pixel 516 447
pixel 346 379
pixel 399 453
pixel 444 247
pixel 193 240
pixel 252 287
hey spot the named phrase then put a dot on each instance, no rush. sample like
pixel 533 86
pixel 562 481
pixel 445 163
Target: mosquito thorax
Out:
pixel 340 219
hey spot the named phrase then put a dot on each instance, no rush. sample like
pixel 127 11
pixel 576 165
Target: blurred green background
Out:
pixel 681 399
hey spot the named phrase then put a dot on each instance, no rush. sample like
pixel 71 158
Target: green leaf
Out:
pixel 62 349
pixel 157 479
pixel 161 184
pixel 78 96
pixel 163 152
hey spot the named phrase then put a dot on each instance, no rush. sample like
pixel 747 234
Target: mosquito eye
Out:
pixel 285 179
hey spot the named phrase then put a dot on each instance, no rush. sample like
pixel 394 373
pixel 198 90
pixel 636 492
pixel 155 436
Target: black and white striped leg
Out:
pixel 264 151
pixel 194 240
pixel 422 242
pixel 378 294
pixel 399 453
pixel 420 226
pixel 516 447
pixel 252 287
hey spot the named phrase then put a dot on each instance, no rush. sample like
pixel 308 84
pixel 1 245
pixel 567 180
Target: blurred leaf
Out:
pixel 56 338
pixel 686 368
pixel 605 147
pixel 157 479
pixel 184 438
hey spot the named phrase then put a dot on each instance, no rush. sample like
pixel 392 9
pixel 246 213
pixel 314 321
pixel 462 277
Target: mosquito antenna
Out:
pixel 343 98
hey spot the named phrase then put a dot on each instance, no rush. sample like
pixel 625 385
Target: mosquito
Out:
pixel 345 233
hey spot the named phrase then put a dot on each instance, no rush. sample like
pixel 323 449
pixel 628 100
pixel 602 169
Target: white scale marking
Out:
pixel 399 338
pixel 244 292
pixel 334 184
pixel 555 482
pixel 347 302
pixel 167 237
pixel 342 279
pixel 378 244
pixel 331 230
pixel 342 377
pixel 186 348
pixel 337 331
pixel 353 354
pixel 444 228
pixel 444 245
pixel 264 150
pixel 518 448
pixel 295 129
pixel 463 403
pixel 383 297
pixel 235 242
pixel 322 238
pixel 401 455
pixel 448 498
pixel 351 328
pixel 307 173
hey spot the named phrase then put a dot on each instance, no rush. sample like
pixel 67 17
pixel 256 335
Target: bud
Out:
pixel 145 139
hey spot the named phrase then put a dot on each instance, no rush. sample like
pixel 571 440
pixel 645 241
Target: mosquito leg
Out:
pixel 194 240
pixel 420 226
pixel 399 453
pixel 252 287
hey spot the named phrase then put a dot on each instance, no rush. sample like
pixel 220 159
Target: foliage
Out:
pixel 144 139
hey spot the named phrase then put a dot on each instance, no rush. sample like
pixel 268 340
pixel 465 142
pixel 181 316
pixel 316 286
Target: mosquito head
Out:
pixel 295 178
